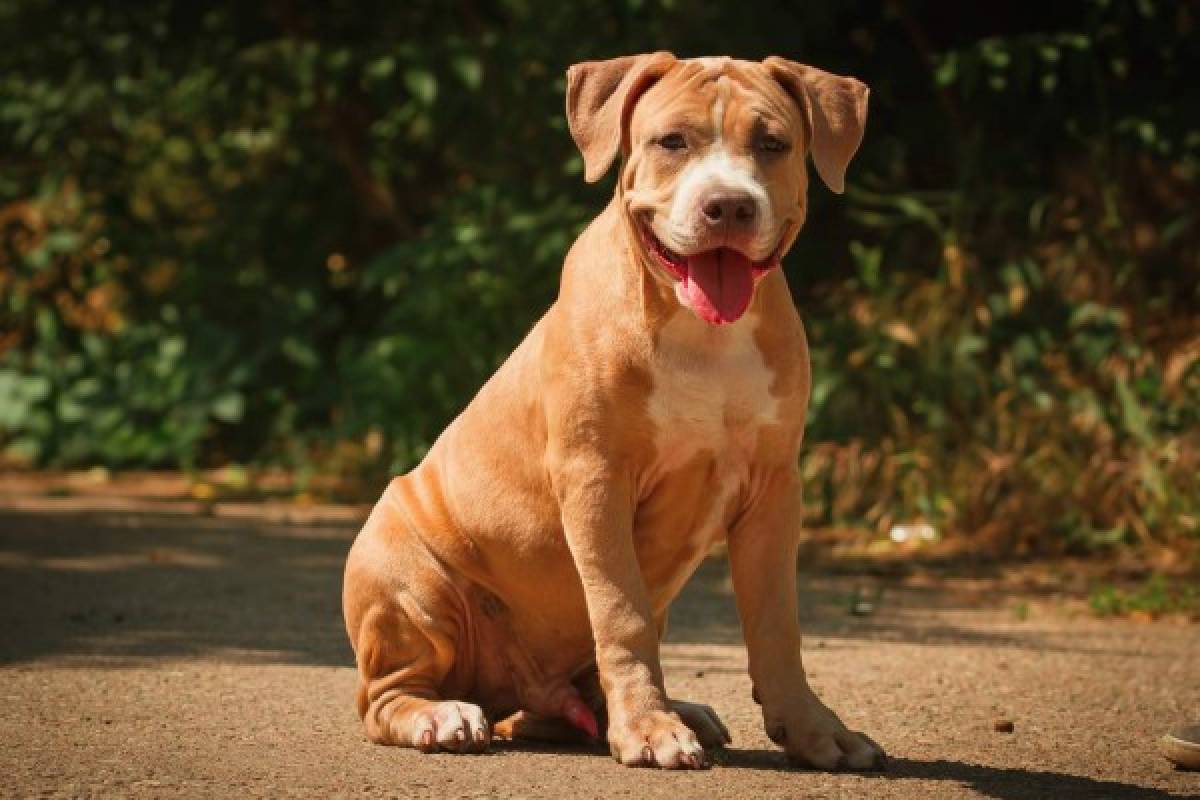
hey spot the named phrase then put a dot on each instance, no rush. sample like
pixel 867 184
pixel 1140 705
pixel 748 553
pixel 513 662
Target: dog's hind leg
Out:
pixel 401 666
pixel 405 624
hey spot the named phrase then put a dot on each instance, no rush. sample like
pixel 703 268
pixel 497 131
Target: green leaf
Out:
pixel 229 407
pixel 171 348
pixel 62 241
pixel 1132 413
pixel 381 68
pixel 947 70
pixel 469 70
pixel 422 84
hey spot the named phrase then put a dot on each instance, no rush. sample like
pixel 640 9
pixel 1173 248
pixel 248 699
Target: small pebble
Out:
pixel 863 609
pixel 1003 726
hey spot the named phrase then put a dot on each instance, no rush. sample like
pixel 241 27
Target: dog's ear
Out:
pixel 600 100
pixel 835 109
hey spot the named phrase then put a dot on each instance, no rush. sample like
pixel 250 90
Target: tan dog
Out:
pixel 657 408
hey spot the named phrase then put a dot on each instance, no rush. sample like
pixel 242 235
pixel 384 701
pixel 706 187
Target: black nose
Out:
pixel 729 208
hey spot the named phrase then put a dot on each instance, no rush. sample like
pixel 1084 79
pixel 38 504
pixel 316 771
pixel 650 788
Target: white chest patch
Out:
pixel 711 392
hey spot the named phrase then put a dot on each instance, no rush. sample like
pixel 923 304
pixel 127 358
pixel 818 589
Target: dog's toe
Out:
pixel 657 739
pixel 835 751
pixel 452 727
pixel 703 720
pixel 860 753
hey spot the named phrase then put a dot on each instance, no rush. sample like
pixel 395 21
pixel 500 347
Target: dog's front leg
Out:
pixel 762 555
pixel 596 501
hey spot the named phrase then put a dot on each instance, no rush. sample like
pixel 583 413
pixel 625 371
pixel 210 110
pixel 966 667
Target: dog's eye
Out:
pixel 672 141
pixel 772 144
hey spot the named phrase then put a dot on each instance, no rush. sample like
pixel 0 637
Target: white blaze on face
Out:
pixel 717 170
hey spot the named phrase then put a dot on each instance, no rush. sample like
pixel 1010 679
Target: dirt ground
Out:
pixel 198 650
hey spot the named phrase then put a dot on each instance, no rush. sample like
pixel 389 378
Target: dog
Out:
pixel 523 571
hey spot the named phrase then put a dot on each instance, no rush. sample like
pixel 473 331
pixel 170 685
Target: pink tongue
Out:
pixel 719 285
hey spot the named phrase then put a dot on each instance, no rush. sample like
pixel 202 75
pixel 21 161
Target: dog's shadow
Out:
pixel 1003 783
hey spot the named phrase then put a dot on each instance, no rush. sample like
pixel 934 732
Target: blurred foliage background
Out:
pixel 303 234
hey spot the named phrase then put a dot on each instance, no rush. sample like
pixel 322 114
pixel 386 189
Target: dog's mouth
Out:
pixel 717 284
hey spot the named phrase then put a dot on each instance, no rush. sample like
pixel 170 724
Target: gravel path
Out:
pixel 165 654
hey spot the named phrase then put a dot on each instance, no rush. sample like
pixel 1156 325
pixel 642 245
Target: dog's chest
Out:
pixel 709 402
pixel 711 394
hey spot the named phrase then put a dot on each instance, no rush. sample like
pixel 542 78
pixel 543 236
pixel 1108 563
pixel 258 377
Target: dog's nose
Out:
pixel 729 208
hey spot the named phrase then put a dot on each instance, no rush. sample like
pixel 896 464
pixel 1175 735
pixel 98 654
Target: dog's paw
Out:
pixel 813 736
pixel 656 739
pixel 450 726
pixel 704 722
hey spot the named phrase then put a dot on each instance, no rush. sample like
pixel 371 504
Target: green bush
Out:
pixel 1154 597
pixel 298 234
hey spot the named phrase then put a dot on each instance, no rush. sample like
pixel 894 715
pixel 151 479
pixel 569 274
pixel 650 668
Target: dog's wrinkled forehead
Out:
pixel 717 97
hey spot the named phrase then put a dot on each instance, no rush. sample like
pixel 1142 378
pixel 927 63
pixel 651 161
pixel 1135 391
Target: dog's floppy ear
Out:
pixel 835 108
pixel 600 100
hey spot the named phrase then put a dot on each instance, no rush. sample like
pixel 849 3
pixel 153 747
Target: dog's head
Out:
pixel 713 176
